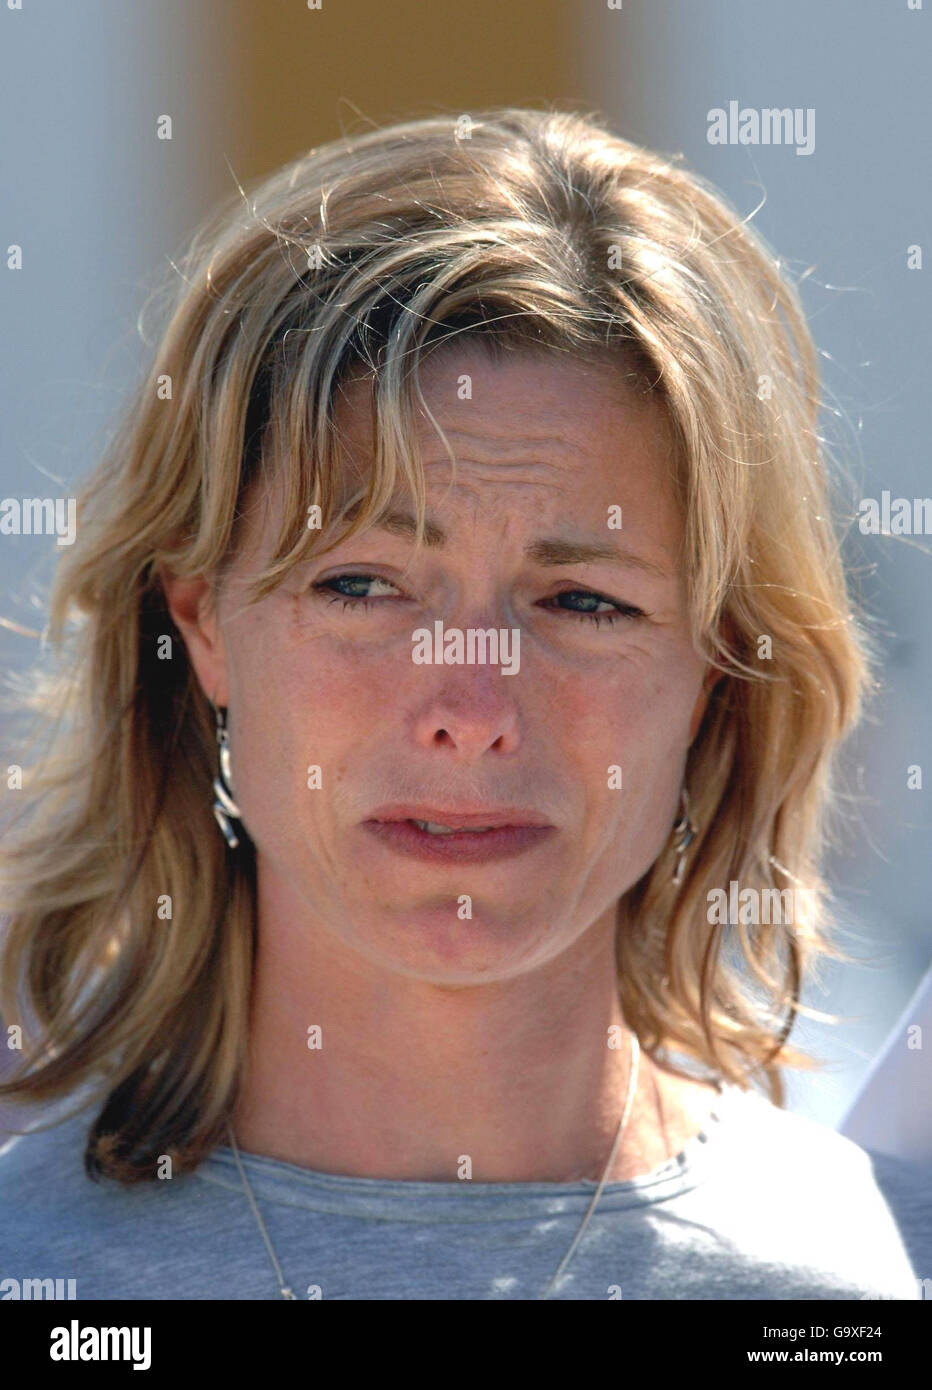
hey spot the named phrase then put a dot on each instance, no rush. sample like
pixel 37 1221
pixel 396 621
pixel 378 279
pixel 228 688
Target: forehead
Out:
pixel 535 431
pixel 523 408
pixel 528 430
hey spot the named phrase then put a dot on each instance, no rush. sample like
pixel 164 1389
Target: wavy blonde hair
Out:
pixel 538 230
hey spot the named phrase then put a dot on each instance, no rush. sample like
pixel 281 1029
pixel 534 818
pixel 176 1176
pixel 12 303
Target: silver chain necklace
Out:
pixel 287 1292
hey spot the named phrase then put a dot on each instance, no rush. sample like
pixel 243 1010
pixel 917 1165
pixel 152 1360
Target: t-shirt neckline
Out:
pixel 275 1180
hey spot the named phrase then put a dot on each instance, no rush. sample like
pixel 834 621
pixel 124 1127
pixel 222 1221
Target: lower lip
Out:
pixel 462 847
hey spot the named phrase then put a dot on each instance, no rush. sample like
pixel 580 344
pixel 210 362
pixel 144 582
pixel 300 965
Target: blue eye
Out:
pixel 617 610
pixel 323 589
pixel 350 600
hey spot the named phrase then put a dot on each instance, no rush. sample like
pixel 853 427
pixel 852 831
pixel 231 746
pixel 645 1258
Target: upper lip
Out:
pixel 462 818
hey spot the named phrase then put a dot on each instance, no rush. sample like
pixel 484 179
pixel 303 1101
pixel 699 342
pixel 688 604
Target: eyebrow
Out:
pixel 547 550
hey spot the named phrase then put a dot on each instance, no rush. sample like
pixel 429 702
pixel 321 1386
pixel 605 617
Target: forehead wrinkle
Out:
pixel 482 426
pixel 517 474
pixel 511 450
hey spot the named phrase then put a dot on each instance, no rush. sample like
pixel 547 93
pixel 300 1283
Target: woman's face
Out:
pixel 587 736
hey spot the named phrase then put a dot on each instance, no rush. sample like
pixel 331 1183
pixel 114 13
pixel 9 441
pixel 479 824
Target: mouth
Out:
pixel 433 828
pixel 441 835
pixel 475 817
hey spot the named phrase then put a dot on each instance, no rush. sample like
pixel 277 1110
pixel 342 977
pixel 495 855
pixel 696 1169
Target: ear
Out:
pixel 191 605
pixel 709 681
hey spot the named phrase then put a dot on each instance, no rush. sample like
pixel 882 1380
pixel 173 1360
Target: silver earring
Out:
pixel 225 806
pixel 684 832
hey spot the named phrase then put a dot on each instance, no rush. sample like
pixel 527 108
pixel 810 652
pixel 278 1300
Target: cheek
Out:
pixel 309 682
pixel 319 702
pixel 287 699
pixel 639 711
pixel 636 723
pixel 341 689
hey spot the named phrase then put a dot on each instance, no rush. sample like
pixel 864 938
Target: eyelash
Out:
pixel 622 610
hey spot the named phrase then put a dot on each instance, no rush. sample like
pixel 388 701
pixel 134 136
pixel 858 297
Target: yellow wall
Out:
pixel 308 75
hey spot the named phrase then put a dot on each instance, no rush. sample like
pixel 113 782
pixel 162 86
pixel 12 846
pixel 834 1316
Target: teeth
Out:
pixel 433 829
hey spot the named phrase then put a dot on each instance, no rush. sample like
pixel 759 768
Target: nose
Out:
pixel 471 711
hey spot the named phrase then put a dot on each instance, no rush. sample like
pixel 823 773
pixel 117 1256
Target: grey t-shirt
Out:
pixel 763 1204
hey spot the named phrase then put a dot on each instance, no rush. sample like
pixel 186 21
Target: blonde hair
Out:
pixel 536 230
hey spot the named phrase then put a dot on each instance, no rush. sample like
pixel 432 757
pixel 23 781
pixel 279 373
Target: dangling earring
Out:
pixel 225 806
pixel 684 832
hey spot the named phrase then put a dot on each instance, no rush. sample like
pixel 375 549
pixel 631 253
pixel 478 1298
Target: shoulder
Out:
pixel 906 1188
pixel 857 1217
pixel 43 1158
pixel 58 1223
pixel 44 1188
pixel 807 1150
pixel 793 1141
pixel 41 1175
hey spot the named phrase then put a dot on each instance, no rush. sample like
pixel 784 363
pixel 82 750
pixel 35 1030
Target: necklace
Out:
pixel 287 1292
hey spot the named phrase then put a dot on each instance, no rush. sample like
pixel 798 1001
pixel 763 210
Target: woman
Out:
pixel 423 873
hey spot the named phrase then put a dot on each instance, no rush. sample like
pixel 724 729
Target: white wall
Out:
pixel 97 204
pixel 848 210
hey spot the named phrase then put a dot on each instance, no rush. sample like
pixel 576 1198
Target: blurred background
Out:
pixel 101 207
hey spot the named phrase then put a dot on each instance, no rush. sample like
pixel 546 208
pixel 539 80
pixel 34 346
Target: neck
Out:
pixel 411 1078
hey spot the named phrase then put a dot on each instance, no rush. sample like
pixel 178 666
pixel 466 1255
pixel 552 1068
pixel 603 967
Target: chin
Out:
pixel 433 943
